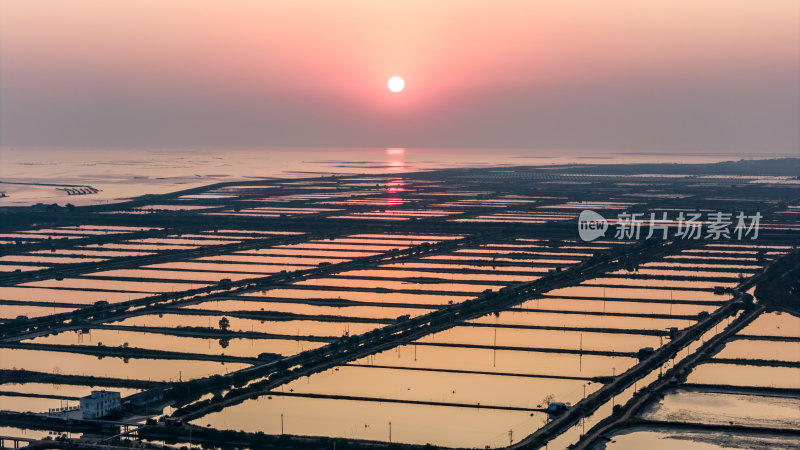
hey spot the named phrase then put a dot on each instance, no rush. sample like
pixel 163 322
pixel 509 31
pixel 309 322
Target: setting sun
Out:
pixel 396 84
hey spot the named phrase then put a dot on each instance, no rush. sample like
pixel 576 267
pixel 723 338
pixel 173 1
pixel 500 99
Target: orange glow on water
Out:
pixel 396 166
pixel 396 185
pixel 393 201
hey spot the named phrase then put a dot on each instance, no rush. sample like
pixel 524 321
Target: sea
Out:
pixel 105 175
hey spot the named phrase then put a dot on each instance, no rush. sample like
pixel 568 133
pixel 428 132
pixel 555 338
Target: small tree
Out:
pixel 224 324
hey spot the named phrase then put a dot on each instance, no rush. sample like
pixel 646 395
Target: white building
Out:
pixel 100 404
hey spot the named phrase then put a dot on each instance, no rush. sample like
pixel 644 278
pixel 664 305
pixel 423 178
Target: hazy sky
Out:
pixel 692 75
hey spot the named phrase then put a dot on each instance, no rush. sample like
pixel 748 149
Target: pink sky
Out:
pixel 630 74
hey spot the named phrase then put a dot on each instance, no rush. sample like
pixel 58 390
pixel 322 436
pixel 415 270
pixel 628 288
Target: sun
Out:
pixel 396 84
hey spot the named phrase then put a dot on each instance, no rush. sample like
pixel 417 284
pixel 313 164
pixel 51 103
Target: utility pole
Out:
pixel 494 350
pixel 281 423
pixel 390 432
pixel 510 437
pixel 614 374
